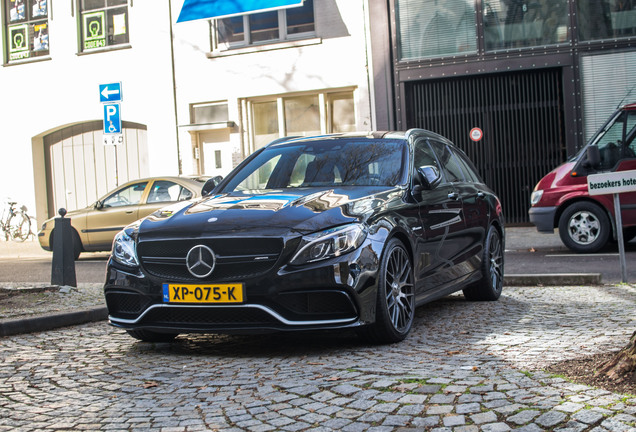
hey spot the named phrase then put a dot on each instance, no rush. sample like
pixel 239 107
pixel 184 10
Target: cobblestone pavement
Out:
pixel 466 367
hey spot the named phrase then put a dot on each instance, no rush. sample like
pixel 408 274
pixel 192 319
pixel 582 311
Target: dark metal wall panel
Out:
pixel 521 115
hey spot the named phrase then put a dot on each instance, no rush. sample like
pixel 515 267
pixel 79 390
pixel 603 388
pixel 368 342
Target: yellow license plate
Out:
pixel 203 293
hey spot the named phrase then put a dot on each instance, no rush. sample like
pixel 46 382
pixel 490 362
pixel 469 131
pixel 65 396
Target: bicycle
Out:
pixel 15 223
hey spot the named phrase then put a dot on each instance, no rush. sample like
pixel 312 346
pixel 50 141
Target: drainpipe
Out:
pixel 174 89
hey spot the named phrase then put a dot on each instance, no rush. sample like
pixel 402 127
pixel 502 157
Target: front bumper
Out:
pixel 337 293
pixel 543 218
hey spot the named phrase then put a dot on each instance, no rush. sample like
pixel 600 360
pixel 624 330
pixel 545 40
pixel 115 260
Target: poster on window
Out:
pixel 17 10
pixel 94 32
pixel 41 37
pixel 18 42
pixel 119 24
pixel 39 8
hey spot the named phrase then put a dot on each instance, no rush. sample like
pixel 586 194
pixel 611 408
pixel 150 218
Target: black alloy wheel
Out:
pixel 490 285
pixel 395 300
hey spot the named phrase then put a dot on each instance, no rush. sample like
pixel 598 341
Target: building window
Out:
pixel 104 23
pixel 266 27
pixel 520 24
pixel 212 112
pixel 27 28
pixel 604 19
pixel 302 116
pixel 431 28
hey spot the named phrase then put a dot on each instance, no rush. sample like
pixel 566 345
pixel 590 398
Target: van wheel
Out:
pixel 584 227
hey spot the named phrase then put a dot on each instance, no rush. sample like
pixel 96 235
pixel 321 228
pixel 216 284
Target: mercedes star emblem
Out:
pixel 200 261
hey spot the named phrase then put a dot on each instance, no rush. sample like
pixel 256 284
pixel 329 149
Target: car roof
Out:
pixel 195 182
pixel 405 135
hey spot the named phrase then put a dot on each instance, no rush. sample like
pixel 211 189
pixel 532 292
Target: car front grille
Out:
pixel 236 258
pixel 126 304
pixel 218 318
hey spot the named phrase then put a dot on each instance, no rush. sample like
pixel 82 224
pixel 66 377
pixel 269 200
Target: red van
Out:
pixel 561 200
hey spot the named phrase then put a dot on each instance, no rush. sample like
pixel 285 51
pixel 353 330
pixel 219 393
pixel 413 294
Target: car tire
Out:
pixel 151 336
pixel 395 302
pixel 584 227
pixel 489 287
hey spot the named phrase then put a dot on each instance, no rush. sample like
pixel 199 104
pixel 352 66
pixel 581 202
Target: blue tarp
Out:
pixel 200 9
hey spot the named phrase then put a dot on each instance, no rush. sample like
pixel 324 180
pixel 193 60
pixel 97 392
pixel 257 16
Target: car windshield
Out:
pixel 324 163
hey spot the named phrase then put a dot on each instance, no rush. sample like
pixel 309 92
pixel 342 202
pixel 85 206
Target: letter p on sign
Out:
pixel 112 118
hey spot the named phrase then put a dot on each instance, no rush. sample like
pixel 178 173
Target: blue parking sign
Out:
pixel 110 92
pixel 112 118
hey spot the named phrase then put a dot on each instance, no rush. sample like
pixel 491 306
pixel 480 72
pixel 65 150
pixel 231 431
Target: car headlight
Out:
pixel 124 248
pixel 536 197
pixel 330 243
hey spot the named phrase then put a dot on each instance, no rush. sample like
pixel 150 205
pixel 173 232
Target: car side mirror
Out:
pixel 210 185
pixel 429 177
pixel 593 156
pixel 98 205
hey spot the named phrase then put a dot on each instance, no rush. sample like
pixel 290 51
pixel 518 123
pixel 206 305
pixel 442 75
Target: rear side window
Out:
pixel 449 162
pixel 467 167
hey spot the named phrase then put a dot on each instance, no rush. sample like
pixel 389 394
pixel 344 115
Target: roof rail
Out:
pixel 281 139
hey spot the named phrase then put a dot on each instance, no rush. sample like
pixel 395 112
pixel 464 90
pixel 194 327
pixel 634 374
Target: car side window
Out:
pixel 129 195
pixel 469 170
pixel 185 194
pixel 450 166
pixel 164 191
pixel 423 155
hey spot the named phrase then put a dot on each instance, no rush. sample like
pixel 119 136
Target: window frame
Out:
pixel 28 26
pixel 283 36
pixel 104 12
pixel 324 113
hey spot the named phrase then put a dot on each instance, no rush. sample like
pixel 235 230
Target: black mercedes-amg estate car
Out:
pixel 329 232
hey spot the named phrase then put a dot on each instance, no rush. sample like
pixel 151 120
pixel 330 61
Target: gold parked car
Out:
pixel 96 225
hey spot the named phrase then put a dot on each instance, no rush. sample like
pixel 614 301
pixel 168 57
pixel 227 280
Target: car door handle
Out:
pixel 453 195
pixel 129 211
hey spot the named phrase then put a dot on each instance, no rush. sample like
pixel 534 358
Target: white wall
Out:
pixel 336 59
pixel 41 96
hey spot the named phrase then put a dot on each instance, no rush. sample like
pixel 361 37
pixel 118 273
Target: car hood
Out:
pixel 270 214
pixel 73 214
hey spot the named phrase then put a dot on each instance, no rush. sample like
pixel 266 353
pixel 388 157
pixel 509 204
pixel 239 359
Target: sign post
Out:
pixel 614 183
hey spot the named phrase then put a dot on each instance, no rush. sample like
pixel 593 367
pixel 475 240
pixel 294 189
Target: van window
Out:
pixel 617 142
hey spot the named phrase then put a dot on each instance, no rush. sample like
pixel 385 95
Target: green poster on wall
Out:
pixel 18 42
pixel 94 30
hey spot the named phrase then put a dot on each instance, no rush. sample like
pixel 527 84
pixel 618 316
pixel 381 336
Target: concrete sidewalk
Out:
pixel 54 306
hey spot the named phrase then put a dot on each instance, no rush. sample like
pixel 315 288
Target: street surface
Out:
pixel 466 366
pixel 527 252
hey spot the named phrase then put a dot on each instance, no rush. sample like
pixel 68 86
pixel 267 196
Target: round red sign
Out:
pixel 476 134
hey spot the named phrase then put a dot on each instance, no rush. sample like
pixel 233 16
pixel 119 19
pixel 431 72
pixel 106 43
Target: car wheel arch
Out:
pixel 404 239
